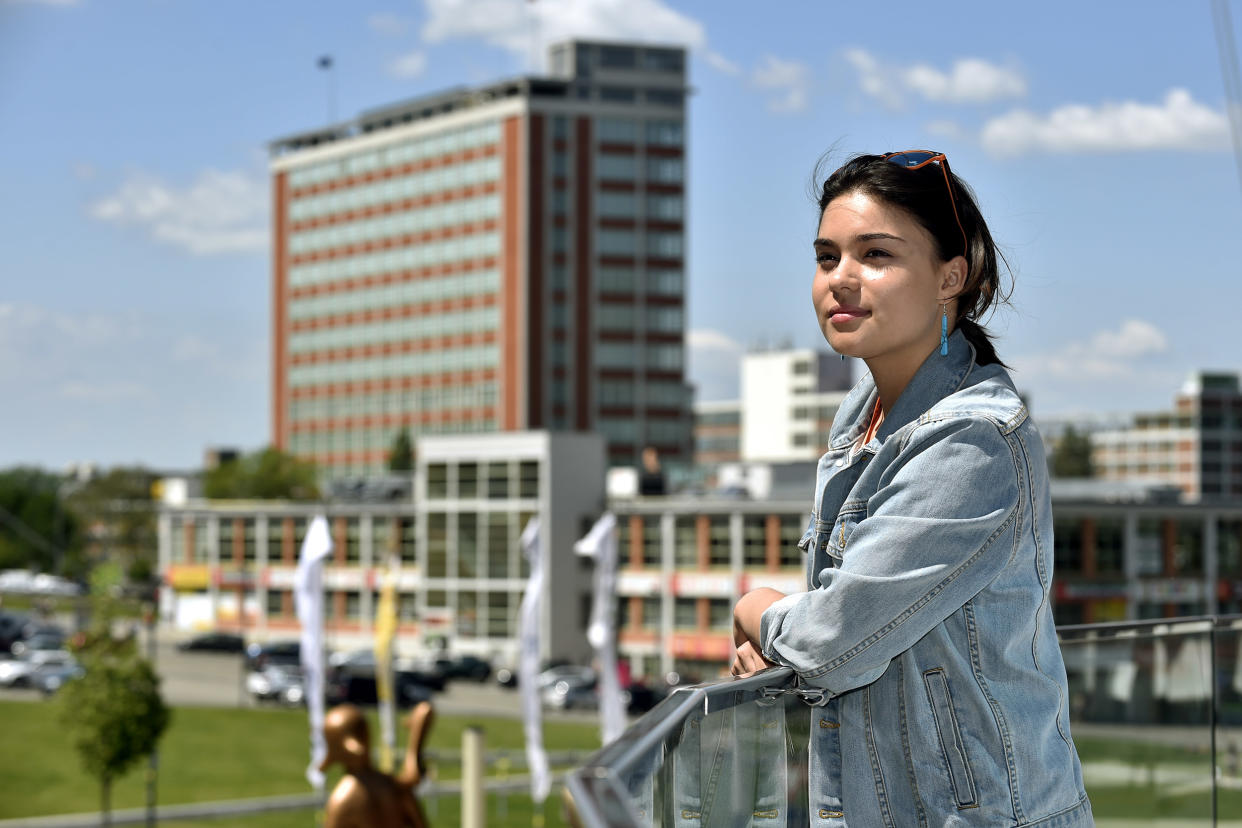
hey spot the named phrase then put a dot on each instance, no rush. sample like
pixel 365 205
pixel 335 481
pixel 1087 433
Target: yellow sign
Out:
pixel 189 577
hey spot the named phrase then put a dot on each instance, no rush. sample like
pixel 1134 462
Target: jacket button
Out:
pixel 824 723
pixel 840 462
pixel 824 813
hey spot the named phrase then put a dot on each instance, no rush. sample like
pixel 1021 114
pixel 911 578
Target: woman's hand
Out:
pixel 749 660
pixel 747 617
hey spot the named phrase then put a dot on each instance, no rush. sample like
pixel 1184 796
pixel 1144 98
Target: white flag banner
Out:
pixel 528 663
pixel 308 597
pixel 601 545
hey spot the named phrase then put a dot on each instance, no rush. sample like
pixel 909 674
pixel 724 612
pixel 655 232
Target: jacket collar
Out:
pixel 938 377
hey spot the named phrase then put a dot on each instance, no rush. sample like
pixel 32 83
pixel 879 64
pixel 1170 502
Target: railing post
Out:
pixel 473 803
pixel 1212 701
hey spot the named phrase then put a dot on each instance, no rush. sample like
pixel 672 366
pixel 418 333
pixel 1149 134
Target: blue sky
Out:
pixel 135 297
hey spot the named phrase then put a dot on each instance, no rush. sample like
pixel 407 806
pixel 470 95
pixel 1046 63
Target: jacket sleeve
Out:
pixel 940 527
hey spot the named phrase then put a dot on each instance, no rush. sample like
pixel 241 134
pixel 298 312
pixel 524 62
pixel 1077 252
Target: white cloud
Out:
pixel 969 81
pixel 789 80
pixel 1177 123
pixel 525 28
pixel 721 63
pixel 409 65
pixel 1107 355
pixel 221 212
pixel 877 81
pixel 390 25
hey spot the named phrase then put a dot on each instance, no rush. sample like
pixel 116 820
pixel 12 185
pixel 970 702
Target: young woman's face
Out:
pixel 879 283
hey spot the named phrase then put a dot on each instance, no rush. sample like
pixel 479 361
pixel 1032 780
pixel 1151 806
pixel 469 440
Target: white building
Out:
pixel 788 401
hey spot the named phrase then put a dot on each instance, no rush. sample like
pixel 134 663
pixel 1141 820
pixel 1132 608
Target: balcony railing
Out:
pixel 1156 714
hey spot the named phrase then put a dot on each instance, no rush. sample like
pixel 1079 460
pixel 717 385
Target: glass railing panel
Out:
pixel 1141 717
pixel 1155 711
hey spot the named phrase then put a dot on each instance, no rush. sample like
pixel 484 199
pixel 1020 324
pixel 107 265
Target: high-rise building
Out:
pixel 496 258
pixel 1196 447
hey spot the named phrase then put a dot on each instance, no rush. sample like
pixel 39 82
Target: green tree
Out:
pixel 268 474
pixel 118 508
pixel 37 531
pixel 114 711
pixel 1072 455
pixel 401 455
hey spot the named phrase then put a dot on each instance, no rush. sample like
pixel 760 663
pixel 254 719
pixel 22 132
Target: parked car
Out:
pixel 277 682
pixel 213 642
pixel 351 678
pixel 463 666
pixel 49 678
pixel 355 688
pixel 45 638
pixel 362 663
pixel 259 655
pixel 16 671
pixel 11 626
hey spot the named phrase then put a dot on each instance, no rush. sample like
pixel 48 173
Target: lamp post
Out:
pixel 150 611
pixel 325 63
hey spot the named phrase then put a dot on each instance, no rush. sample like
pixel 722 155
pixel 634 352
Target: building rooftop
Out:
pixel 566 78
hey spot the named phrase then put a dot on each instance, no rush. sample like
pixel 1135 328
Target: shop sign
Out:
pixel 705 584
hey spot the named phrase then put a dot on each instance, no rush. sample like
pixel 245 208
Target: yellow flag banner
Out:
pixel 385 631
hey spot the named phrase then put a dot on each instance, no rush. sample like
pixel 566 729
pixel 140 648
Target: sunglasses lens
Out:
pixel 910 159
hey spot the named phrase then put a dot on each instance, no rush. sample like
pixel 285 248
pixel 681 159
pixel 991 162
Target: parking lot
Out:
pixel 218 680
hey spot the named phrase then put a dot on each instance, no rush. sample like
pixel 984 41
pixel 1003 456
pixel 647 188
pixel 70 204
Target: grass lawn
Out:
pixel 226 753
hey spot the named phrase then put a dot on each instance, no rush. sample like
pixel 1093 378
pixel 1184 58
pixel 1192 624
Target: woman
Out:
pixel 929 554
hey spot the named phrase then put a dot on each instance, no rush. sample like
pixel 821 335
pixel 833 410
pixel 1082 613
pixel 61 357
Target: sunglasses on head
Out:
pixel 917 159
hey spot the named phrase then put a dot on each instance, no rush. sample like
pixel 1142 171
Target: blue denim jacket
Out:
pixel 927 617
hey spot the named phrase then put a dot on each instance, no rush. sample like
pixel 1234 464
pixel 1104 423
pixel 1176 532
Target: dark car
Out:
pixel 354 688
pixel 463 666
pixel 287 653
pixel 214 643
pixel 11 626
pixel 351 678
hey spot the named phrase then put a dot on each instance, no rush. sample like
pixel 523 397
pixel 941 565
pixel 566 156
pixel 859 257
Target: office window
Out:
pixel 497 546
pixel 686 613
pixel 437 545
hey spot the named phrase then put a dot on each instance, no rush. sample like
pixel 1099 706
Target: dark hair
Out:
pixel 922 194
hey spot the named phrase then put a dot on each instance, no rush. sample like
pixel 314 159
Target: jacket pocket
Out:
pixel 841 530
pixel 950 735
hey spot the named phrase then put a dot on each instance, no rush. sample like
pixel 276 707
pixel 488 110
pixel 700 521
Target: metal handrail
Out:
pixel 595 798
pixel 591 793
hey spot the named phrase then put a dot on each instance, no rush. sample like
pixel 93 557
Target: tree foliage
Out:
pixel 401 455
pixel 37 530
pixel 268 474
pixel 118 509
pixel 114 711
pixel 1072 455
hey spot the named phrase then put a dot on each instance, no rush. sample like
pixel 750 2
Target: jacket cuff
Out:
pixel 771 624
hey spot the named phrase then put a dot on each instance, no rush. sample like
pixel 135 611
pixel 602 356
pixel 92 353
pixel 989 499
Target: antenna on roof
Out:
pixel 1225 45
pixel 325 63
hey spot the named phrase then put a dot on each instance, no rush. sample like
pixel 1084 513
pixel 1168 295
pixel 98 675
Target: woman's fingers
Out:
pixel 749 660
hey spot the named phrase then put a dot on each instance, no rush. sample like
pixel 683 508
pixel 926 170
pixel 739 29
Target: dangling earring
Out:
pixel 842 357
pixel 944 329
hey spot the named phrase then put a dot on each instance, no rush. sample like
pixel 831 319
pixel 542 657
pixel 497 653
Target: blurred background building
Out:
pixel 789 398
pixel 1196 446
pixel 493 258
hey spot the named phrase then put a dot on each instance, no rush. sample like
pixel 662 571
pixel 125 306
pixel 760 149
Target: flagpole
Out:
pixel 325 63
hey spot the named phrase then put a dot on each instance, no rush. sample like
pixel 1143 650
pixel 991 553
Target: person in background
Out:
pixel 926 619
pixel 651 476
